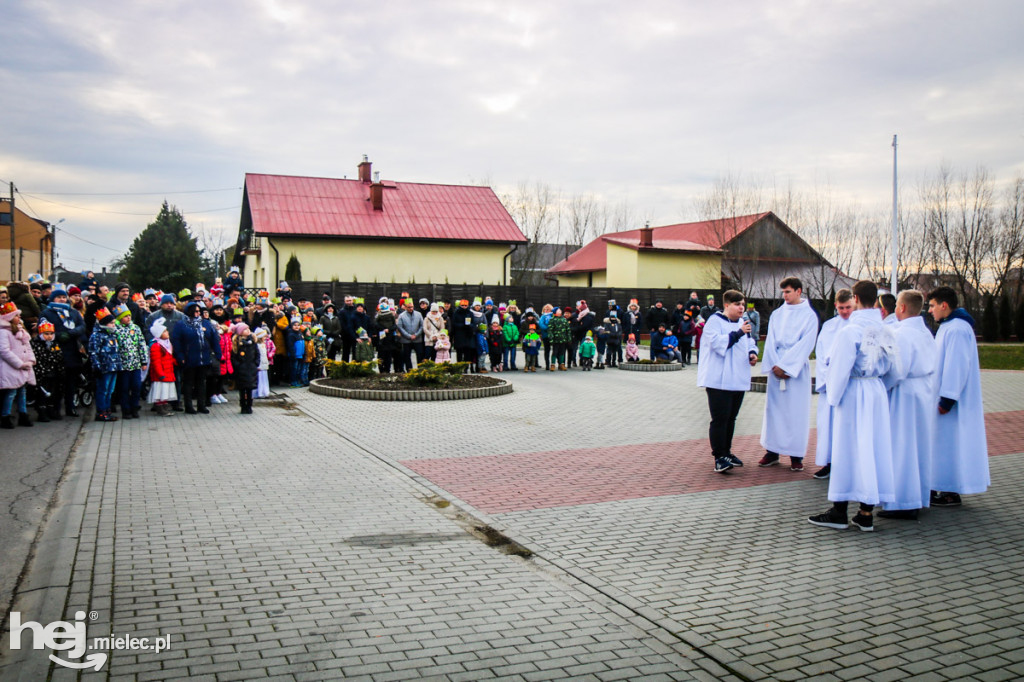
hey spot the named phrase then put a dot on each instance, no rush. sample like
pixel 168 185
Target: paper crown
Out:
pixel 184 293
pixel 121 311
pixel 102 315
pixel 45 327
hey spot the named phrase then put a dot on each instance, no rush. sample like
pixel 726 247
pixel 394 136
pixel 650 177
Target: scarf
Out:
pixel 197 324
pixel 166 345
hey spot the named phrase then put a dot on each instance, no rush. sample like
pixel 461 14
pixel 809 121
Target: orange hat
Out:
pixel 102 315
pixel 8 308
pixel 45 326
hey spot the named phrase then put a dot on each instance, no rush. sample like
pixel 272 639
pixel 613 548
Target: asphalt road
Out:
pixel 31 462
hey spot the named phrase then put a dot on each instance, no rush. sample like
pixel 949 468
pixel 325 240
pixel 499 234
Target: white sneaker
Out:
pixel 223 399
pixel 219 399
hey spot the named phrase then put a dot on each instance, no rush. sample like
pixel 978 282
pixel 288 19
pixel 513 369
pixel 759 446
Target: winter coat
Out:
pixel 69 331
pixel 387 331
pixel 359 320
pixel 15 354
pixel 632 322
pixel 614 333
pixel 585 321
pixel 543 323
pixel 364 351
pixel 49 358
pixel 103 352
pixel 410 327
pixel 319 356
pixel 22 297
pixel 463 330
pixel 295 345
pixel 170 319
pixel 225 355
pixel 131 346
pixel 161 363
pixel 559 330
pixel 332 326
pixel 232 283
pixel 245 358
pixel 510 332
pixel 189 349
pixel 432 326
pixel 587 349
pixel 265 354
pixel 495 340
pixel 279 332
pixel 657 316
pixel 532 343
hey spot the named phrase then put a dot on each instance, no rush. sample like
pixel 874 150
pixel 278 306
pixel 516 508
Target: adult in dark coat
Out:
pixel 333 328
pixel 656 315
pixel 464 334
pixel 196 345
pixel 358 319
pixel 70 334
pixel 348 335
pixel 693 305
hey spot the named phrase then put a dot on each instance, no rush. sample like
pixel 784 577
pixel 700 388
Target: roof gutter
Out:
pixel 504 264
pixel 277 263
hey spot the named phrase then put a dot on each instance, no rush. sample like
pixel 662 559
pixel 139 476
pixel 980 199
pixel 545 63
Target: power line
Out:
pixel 132 194
pixel 97 210
pixel 86 240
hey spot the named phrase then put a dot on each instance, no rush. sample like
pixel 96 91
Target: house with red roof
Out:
pixel 372 230
pixel 751 253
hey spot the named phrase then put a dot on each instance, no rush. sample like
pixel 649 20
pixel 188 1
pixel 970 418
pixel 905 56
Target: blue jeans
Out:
pixel 295 373
pixel 9 397
pixel 508 358
pixel 105 383
pixel 304 373
pixel 131 385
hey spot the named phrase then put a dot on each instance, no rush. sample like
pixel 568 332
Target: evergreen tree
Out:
pixel 1005 318
pixel 164 255
pixel 990 320
pixel 293 270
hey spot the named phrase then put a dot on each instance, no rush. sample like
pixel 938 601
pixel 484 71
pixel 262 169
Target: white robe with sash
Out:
pixel 827 335
pixel 786 427
pixel 961 451
pixel 863 352
pixel 912 408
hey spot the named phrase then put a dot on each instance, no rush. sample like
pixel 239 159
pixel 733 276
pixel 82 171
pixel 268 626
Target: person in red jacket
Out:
pixel 162 391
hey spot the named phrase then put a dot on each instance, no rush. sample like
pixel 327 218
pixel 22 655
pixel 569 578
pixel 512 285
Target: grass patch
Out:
pixel 1001 355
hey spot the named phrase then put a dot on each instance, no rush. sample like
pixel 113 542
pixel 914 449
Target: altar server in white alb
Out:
pixel 960 466
pixel 792 329
pixel 862 354
pixel 912 408
pixel 723 369
pixel 827 335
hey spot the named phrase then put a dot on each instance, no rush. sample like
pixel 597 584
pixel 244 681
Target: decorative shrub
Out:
pixel 348 370
pixel 429 373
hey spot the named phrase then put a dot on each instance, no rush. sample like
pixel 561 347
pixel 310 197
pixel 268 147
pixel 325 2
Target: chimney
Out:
pixel 377 196
pixel 646 236
pixel 364 169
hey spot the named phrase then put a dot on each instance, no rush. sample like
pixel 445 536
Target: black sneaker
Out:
pixel 940 499
pixel 722 465
pixel 864 522
pixel 734 460
pixel 831 519
pixel 823 473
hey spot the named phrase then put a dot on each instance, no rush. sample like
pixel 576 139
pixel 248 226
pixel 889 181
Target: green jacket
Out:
pixel 364 352
pixel 559 330
pixel 511 333
pixel 587 350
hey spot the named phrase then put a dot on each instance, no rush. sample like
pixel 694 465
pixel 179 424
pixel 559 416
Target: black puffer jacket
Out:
pixel 245 360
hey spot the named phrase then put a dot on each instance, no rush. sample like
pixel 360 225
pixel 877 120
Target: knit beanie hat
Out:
pixel 121 311
pixel 167 298
pixel 157 329
pixel 240 328
pixel 73 290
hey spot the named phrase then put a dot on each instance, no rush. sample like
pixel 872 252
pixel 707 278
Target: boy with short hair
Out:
pixel 131 345
pixel 531 347
pixel 723 370
pixel 960 465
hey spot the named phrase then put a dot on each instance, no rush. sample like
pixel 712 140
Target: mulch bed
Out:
pixel 394 382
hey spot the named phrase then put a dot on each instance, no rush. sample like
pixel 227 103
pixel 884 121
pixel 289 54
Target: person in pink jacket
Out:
pixel 16 366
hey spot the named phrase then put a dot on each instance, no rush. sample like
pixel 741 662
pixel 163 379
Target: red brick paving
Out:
pixel 561 478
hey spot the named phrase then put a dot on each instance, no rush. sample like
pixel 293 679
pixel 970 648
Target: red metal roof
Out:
pixel 283 205
pixel 708 236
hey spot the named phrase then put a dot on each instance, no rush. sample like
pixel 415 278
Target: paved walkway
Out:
pixel 325 538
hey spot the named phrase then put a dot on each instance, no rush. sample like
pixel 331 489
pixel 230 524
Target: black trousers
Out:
pixel 724 406
pixel 245 398
pixel 193 384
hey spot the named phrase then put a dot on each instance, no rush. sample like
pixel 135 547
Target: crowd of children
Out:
pixel 190 347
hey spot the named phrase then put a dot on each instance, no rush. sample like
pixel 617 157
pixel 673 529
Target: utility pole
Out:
pixel 895 219
pixel 12 231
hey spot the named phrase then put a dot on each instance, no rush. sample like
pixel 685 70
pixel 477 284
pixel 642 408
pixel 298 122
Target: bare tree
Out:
pixel 534 208
pixel 212 244
pixel 958 215
pixel 1008 247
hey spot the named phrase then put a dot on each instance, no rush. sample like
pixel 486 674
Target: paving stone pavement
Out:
pixel 300 544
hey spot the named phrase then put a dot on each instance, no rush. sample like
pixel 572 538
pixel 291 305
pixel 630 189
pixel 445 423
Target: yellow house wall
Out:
pixel 578 279
pixel 622 266
pixel 378 260
pixel 660 269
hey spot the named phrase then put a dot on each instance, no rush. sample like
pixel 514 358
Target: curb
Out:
pixel 503 388
pixel 653 367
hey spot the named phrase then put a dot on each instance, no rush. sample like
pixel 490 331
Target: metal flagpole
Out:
pixel 895 220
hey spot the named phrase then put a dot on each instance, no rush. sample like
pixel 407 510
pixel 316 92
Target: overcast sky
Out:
pixel 645 102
